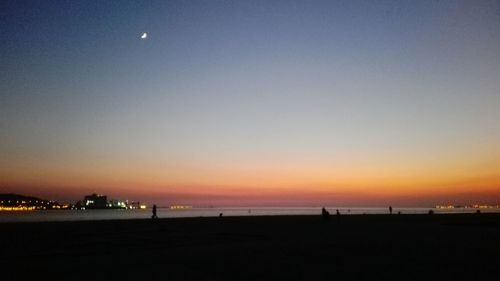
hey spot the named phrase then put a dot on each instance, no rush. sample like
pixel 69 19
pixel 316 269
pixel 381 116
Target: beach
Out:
pixel 356 247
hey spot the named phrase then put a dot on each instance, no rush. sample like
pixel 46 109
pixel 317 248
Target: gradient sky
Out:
pixel 349 103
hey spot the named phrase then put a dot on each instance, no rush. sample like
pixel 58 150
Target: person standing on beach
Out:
pixel 390 210
pixel 154 212
pixel 325 214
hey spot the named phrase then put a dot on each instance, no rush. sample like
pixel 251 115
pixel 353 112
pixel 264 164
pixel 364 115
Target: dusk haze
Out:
pixel 252 103
pixel 244 140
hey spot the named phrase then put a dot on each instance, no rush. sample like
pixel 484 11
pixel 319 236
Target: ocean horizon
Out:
pixel 121 214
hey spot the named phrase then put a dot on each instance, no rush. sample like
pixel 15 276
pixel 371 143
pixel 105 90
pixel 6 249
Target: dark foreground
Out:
pixel 369 247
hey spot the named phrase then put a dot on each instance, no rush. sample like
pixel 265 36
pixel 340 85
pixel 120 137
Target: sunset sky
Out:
pixel 346 103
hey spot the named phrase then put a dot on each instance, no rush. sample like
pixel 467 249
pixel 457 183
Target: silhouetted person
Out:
pixel 399 213
pixel 431 212
pixel 390 210
pixel 325 214
pixel 154 213
pixel 338 213
pixel 220 215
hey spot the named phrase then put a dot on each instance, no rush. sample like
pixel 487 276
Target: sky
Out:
pixel 339 103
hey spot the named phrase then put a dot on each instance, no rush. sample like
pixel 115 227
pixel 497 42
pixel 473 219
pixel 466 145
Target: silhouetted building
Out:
pixel 134 205
pixel 95 201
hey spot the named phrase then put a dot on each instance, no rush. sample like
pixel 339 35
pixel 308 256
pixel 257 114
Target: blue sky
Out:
pixel 246 88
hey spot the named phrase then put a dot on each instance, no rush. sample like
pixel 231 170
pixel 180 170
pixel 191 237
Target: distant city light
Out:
pixel 177 207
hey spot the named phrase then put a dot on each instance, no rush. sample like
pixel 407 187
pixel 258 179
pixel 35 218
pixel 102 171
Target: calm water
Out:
pixel 75 215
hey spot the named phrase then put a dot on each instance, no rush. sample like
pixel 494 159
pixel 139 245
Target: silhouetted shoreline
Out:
pixel 361 247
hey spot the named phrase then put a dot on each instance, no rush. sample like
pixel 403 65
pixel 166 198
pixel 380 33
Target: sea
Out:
pixel 113 214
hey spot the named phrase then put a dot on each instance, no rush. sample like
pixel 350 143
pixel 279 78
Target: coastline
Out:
pixel 122 214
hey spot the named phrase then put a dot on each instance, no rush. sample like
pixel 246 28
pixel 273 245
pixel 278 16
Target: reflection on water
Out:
pixel 74 215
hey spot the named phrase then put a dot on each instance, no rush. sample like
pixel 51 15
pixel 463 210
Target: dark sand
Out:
pixel 369 247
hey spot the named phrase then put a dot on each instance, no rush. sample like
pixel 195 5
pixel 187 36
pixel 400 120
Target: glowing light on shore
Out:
pixel 180 207
pixel 19 208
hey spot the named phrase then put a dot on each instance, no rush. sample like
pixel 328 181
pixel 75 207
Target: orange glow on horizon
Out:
pixel 301 178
